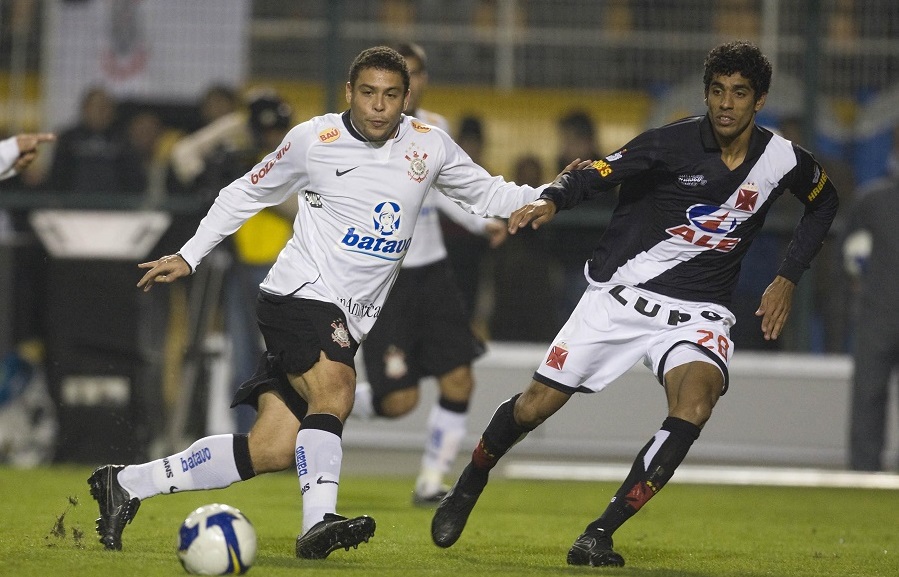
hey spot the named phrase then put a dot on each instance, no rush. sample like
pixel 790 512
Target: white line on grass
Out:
pixel 711 475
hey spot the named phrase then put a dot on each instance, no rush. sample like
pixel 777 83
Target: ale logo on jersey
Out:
pixel 709 226
pixel 386 217
pixel 713 219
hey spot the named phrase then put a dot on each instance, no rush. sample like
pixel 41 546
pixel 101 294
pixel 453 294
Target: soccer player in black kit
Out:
pixel 693 194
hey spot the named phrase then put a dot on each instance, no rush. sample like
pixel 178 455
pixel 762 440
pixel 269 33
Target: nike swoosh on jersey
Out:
pixel 322 481
pixel 339 172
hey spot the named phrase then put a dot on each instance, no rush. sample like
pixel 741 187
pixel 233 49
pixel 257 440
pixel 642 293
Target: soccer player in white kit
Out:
pixel 361 177
pixel 423 329
pixel 693 194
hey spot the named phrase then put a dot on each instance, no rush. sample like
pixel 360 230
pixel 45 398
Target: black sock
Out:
pixel 664 451
pixel 500 435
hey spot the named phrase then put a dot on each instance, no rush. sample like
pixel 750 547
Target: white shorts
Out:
pixel 614 326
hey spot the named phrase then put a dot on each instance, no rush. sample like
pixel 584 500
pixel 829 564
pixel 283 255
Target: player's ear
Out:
pixel 406 100
pixel 760 102
pixel 349 93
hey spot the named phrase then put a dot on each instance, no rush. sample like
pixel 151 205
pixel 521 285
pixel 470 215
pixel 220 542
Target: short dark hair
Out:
pixel 381 58
pixel 413 50
pixel 739 56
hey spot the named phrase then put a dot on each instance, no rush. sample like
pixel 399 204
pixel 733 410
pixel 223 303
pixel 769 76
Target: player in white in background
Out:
pixel 17 152
pixel 423 329
pixel 321 297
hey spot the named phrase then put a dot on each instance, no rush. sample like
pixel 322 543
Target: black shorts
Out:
pixel 270 376
pixel 297 330
pixel 423 330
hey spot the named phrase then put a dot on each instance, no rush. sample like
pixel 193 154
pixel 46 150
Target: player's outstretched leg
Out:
pixel 594 549
pixel 117 506
pixel 452 513
pixel 332 533
pixel 652 469
pixel 210 463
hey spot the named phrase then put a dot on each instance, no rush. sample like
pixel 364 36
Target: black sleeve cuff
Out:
pixel 791 270
pixel 555 196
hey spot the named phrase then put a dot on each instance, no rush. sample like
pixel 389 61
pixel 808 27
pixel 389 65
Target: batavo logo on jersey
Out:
pixel 557 355
pixel 260 174
pixel 708 225
pixel 386 218
pixel 329 134
pixel 419 127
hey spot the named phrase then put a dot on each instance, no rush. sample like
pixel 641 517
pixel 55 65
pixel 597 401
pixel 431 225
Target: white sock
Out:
pixel 207 464
pixel 363 405
pixel 318 455
pixel 446 429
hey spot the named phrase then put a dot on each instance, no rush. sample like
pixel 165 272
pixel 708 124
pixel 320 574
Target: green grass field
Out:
pixel 519 528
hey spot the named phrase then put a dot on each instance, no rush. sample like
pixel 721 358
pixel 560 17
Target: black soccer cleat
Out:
pixel 428 501
pixel 332 533
pixel 117 507
pixel 453 511
pixel 594 549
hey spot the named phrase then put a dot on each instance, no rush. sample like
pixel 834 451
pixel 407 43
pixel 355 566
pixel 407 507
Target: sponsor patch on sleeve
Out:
pixel 329 134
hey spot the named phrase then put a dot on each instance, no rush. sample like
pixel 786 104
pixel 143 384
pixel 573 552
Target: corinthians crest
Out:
pixel 418 170
pixel 341 335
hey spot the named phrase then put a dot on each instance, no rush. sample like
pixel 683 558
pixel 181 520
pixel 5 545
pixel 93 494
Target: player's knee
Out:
pixel 536 404
pixel 457 384
pixel 272 453
pixel 397 403
pixel 697 412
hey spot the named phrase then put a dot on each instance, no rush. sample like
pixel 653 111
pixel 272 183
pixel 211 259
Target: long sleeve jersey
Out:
pixel 429 246
pixel 9 153
pixel 684 220
pixel 359 202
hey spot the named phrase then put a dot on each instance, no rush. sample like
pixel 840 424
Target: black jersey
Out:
pixel 684 220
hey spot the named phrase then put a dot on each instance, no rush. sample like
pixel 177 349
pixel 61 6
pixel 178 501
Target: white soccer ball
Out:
pixel 216 540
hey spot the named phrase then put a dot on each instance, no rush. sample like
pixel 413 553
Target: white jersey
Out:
pixel 358 208
pixel 429 247
pixel 9 154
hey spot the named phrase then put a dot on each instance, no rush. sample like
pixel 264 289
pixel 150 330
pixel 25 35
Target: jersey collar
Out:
pixel 707 134
pixel 348 124
pixel 757 140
